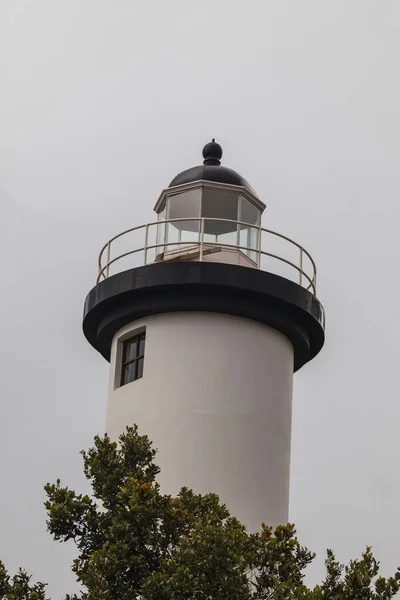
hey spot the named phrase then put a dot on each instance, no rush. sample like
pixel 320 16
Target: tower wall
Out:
pixel 216 400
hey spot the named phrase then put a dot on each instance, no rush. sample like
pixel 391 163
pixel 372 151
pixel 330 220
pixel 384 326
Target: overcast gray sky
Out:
pixel 102 102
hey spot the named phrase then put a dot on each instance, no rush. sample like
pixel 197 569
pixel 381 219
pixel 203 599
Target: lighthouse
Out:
pixel 204 316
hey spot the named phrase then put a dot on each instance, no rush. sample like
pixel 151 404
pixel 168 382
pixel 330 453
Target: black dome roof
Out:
pixel 211 170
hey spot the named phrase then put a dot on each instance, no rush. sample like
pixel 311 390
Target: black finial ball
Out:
pixel 212 153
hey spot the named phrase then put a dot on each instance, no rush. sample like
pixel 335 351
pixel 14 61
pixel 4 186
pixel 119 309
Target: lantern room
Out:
pixel 209 210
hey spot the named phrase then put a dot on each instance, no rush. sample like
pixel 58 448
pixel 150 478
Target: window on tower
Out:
pixel 133 358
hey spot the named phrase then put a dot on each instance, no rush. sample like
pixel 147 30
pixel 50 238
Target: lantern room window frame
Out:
pixel 202 184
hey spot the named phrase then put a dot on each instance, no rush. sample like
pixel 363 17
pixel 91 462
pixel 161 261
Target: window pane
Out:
pixel 248 212
pixel 129 373
pixel 161 229
pixel 248 237
pixel 185 204
pixel 160 234
pixel 184 232
pixel 130 350
pixel 141 344
pixel 140 368
pixel 228 238
pixel 132 366
pixel 221 205
pixel 163 214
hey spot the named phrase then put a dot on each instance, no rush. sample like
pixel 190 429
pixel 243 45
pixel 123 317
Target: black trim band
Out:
pixel 209 287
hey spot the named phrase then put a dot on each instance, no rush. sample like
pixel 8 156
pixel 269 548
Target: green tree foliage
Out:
pixel 135 543
pixel 19 587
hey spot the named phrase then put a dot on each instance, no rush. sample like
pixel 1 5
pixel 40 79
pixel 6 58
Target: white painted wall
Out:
pixel 216 399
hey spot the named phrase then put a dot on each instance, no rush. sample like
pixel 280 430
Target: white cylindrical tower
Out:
pixel 203 342
pixel 216 398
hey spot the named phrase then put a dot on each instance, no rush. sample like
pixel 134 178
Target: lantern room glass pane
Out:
pixel 249 236
pixel 219 204
pixel 248 212
pixel 184 205
pixel 161 227
pixel 248 240
pixel 181 234
pixel 162 214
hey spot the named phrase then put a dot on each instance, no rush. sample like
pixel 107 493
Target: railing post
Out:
pixel 259 248
pixel 108 259
pixel 201 238
pixel 301 267
pixel 146 242
pixel 100 267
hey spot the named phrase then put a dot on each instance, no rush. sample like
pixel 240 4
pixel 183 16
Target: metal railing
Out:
pixel 304 266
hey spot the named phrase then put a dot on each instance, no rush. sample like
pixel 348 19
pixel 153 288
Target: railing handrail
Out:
pixel 104 270
pixel 262 229
pixel 184 219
